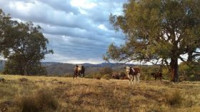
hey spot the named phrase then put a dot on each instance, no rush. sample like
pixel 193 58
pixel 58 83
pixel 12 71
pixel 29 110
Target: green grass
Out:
pixel 64 94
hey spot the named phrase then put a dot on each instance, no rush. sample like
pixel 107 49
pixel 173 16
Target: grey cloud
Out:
pixel 68 47
pixel 102 36
pixel 72 35
pixel 63 5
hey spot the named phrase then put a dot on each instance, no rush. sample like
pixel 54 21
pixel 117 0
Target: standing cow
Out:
pixel 157 75
pixel 79 70
pixel 133 74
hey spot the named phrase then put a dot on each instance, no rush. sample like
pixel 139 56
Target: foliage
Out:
pixel 94 75
pixel 106 76
pixel 161 30
pixel 106 70
pixel 190 71
pixel 23 45
pixel 6 37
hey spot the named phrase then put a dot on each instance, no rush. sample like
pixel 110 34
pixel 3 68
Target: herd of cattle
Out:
pixel 133 73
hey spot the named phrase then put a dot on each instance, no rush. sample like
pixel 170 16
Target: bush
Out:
pixel 23 80
pixel 93 75
pixel 106 76
pixel 175 99
pixel 191 72
pixel 42 101
pixel 97 76
pixel 2 79
pixel 106 70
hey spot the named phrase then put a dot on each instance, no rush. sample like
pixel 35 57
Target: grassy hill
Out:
pixel 62 94
pixel 67 68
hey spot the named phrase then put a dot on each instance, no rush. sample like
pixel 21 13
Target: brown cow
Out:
pixel 78 71
pixel 133 74
pixel 157 75
pixel 81 70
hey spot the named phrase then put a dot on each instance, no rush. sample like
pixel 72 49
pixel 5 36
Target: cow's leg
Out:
pixel 138 77
pixel 78 74
pixel 74 75
pixel 131 80
pixel 83 74
pixel 135 79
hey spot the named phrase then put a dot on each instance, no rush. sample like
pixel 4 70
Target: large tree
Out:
pixel 6 37
pixel 23 45
pixel 163 30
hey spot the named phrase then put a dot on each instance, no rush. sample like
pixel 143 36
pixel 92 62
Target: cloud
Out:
pixel 78 30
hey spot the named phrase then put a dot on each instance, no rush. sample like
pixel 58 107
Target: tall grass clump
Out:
pixel 41 101
pixel 175 99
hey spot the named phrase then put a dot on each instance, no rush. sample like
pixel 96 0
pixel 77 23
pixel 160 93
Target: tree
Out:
pixel 23 45
pixel 6 37
pixel 162 30
pixel 28 50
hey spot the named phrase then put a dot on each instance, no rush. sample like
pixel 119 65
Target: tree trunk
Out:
pixel 25 70
pixel 174 70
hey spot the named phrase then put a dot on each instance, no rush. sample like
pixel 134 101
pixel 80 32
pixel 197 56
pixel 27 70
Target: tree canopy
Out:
pixel 163 30
pixel 23 45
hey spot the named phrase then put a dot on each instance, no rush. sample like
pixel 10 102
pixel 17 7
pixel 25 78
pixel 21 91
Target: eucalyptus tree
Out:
pixel 23 45
pixel 163 30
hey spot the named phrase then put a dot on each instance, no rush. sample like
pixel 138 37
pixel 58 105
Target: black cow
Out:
pixel 157 75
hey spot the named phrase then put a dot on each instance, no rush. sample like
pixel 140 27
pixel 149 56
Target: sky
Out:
pixel 78 31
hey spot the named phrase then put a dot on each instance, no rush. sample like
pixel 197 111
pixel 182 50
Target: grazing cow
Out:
pixel 157 75
pixel 133 74
pixel 79 70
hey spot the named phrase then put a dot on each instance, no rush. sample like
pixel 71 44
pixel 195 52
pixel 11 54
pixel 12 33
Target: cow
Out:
pixel 79 70
pixel 133 74
pixel 157 75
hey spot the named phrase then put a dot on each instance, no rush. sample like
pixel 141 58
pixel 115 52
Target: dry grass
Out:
pixel 61 94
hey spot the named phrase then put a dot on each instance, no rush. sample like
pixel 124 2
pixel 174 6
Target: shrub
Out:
pixel 175 99
pixel 29 104
pixel 97 76
pixel 42 101
pixel 189 72
pixel 106 70
pixel 23 79
pixel 93 75
pixel 123 75
pixel 2 79
pixel 106 76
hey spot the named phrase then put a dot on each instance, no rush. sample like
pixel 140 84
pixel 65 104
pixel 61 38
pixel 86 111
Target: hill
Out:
pixel 55 68
pixel 66 68
pixel 61 94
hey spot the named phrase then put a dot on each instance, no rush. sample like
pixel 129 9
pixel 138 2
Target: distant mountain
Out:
pixel 66 68
pixel 55 68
